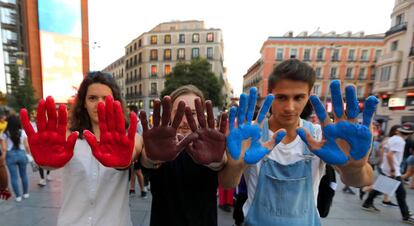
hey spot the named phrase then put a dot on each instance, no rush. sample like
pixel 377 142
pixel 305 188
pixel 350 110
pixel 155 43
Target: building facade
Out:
pixel 349 57
pixel 394 84
pixel 152 55
pixel 117 70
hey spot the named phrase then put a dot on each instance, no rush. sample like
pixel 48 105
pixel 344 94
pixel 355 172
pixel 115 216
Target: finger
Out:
pixel 223 123
pixel 277 137
pixel 232 117
pixel 352 109
pixel 110 116
pixel 41 116
pixel 62 120
pixel 132 126
pixel 241 113
pixel 119 118
pixel 166 111
pixel 210 114
pixel 200 113
pixel 308 139
pixel 370 107
pixel 178 115
pixel 336 95
pixel 303 135
pixel 51 114
pixel 188 139
pixel 265 108
pixel 251 104
pixel 144 121
pixel 91 139
pixel 319 109
pixel 27 126
pixel 71 141
pixel 156 113
pixel 190 119
pixel 102 118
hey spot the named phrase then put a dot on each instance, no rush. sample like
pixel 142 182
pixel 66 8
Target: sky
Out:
pixel 245 24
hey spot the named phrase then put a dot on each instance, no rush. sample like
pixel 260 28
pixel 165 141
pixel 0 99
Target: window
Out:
pixel 364 55
pixel 167 54
pixel 351 54
pixel 140 89
pixel 377 54
pixel 394 45
pixel 167 69
pixel 195 52
pixel 279 54
pixel 8 16
pixel 135 89
pixel 319 55
pixel 181 38
pixel 333 72
pixel 135 60
pixel 154 54
pixel 141 104
pixel 139 58
pixel 135 46
pixel 210 37
pixel 139 43
pixel 306 55
pixel 209 52
pixel 154 70
pixel 196 38
pixel 360 91
pixel 318 72
pixel 153 88
pixel 139 73
pixel 181 54
pixel 349 73
pixel 385 73
pixel 293 53
pixel 399 19
pixel 361 73
pixel 167 39
pixel 317 89
pixel 335 55
pixel 153 40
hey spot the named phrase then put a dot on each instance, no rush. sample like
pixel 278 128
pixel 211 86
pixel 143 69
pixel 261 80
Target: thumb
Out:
pixel 277 137
pixel 91 139
pixel 188 139
pixel 308 139
pixel 71 141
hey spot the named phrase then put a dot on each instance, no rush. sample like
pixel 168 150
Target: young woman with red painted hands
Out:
pixel 92 152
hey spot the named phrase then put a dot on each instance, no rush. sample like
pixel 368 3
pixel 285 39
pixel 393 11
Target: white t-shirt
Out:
pixel 10 142
pixel 395 144
pixel 285 154
pixel 93 194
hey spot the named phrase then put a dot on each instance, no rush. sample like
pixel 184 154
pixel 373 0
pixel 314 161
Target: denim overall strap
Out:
pixel 284 195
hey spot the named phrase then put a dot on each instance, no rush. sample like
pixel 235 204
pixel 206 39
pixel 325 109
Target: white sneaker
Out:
pixel 26 196
pixel 49 177
pixel 42 182
pixel 18 199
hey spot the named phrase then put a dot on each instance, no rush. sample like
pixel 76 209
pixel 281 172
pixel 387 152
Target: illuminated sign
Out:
pixel 396 102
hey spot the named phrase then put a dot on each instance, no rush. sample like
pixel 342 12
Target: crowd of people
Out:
pixel 270 158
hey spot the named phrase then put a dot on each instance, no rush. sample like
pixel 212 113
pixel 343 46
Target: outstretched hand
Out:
pixel 114 148
pixel 244 140
pixel 48 145
pixel 346 141
pixel 160 142
pixel 210 145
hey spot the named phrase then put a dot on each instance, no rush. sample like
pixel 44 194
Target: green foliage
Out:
pixel 22 91
pixel 197 73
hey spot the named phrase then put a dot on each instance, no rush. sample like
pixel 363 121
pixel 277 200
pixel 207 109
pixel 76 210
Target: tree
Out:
pixel 197 73
pixel 22 91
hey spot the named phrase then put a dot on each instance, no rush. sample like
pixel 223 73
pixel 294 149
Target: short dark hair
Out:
pixel 80 120
pixel 133 108
pixel 292 69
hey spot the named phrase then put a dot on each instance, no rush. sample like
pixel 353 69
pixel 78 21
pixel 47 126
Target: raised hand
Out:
pixel 355 139
pixel 210 145
pixel 48 145
pixel 5 194
pixel 160 142
pixel 244 140
pixel 114 148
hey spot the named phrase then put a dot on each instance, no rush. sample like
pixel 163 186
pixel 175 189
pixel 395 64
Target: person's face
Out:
pixel 290 100
pixel 96 93
pixel 188 99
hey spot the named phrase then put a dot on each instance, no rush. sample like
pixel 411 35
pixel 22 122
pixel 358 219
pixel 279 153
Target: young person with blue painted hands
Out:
pixel 283 178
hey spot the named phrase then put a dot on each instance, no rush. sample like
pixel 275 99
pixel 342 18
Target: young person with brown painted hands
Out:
pixel 93 152
pixel 283 179
pixel 183 157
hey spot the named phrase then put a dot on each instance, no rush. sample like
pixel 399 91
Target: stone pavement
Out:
pixel 43 206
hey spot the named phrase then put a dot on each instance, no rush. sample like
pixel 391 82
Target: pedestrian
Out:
pixel 281 161
pixel 4 179
pixel 391 168
pixel 183 158
pixel 15 146
pixel 95 152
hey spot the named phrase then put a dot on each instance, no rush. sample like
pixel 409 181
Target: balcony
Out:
pixel 408 82
pixel 384 86
pixel 396 28
pixel 411 52
pixel 389 58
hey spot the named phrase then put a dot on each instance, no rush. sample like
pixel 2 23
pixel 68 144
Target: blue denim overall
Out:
pixel 284 193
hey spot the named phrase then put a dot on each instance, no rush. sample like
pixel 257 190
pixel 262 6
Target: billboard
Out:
pixel 60 28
